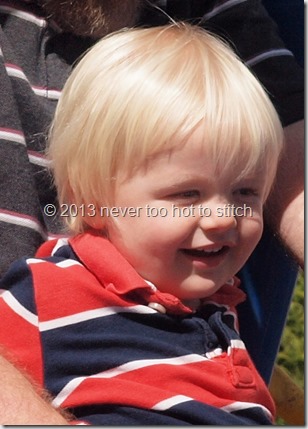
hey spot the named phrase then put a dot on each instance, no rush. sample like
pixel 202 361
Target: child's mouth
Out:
pixel 204 253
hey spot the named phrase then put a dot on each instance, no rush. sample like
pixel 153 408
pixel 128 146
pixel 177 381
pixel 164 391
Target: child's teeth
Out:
pixel 210 251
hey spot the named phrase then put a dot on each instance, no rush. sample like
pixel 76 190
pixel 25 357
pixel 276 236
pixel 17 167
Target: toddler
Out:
pixel 164 149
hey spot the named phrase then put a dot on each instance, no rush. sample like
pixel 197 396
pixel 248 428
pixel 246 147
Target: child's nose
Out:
pixel 218 218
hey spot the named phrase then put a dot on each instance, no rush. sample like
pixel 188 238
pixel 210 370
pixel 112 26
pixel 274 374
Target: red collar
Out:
pixel 114 273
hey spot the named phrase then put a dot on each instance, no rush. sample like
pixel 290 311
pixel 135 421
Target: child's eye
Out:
pixel 189 194
pixel 247 192
pixel 186 196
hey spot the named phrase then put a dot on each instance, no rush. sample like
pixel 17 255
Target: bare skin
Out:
pixel 285 210
pixel 21 403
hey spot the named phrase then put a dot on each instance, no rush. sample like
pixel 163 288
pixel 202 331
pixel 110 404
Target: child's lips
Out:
pixel 200 252
pixel 207 256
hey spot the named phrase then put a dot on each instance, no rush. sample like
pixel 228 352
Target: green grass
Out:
pixel 291 352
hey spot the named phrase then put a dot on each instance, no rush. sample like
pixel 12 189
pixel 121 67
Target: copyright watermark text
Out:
pixel 91 210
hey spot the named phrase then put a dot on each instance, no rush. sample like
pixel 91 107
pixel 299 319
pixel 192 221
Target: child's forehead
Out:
pixel 228 151
pixel 192 157
pixel 201 144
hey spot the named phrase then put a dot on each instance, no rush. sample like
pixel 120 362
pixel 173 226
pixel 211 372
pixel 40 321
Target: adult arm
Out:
pixel 21 403
pixel 285 208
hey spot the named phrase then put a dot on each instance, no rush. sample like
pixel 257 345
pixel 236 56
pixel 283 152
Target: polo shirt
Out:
pixel 114 350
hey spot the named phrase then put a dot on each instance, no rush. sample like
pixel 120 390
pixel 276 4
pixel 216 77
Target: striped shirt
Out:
pixel 114 350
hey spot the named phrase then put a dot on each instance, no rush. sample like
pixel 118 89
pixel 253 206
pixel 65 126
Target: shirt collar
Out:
pixel 115 273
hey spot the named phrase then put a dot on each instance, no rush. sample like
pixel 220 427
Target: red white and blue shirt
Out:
pixel 115 351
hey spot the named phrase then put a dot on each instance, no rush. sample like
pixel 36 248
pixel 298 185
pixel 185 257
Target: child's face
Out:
pixel 184 238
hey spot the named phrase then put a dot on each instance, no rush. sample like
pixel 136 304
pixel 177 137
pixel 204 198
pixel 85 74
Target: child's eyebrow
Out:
pixel 250 178
pixel 195 180
pixel 185 181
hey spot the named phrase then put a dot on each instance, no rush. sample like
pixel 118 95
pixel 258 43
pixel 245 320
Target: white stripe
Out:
pixel 236 406
pixel 24 15
pixel 218 9
pixel 171 402
pixel 31 261
pixel 237 344
pixel 62 264
pixel 24 222
pixel 18 308
pixel 52 94
pixel 269 54
pixel 38 160
pixel 60 243
pixel 67 263
pixel 15 72
pixel 214 353
pixel 234 344
pixel 92 314
pixel 152 286
pixel 144 363
pixel 12 137
pixel 122 369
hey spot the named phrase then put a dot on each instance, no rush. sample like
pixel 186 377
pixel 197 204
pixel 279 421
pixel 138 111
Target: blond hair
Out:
pixel 138 92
